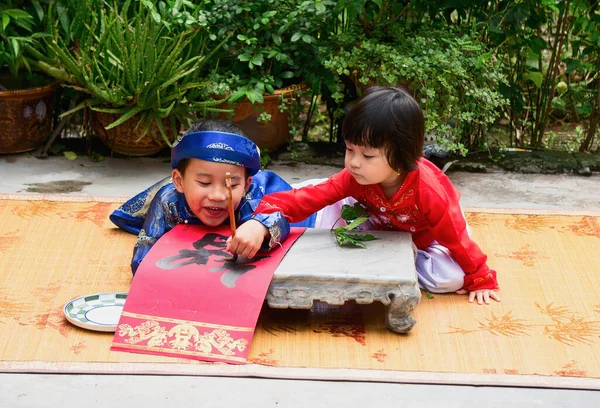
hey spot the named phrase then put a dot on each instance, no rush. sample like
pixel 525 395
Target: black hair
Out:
pixel 390 119
pixel 215 125
pixel 211 125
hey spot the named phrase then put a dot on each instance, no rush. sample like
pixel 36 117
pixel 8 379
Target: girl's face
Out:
pixel 203 185
pixel 369 165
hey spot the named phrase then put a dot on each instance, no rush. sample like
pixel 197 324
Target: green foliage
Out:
pixel 274 43
pixel 130 63
pixel 70 155
pixel 351 213
pixel 265 158
pixel 534 41
pixel 355 216
pixel 462 59
pixel 528 42
pixel 23 26
pixel 15 32
pixel 454 78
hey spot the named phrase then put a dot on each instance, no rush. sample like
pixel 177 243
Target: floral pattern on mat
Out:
pixel 587 226
pixel 94 212
pixel 379 355
pixel 11 304
pixel 341 329
pixel 506 325
pixel 342 321
pixel 47 292
pixel 566 327
pixel 525 254
pixel 476 219
pixel 78 348
pixel 529 223
pixel 55 320
pixel 264 358
pixel 9 239
pixel 571 370
pixel 32 209
pixel 569 328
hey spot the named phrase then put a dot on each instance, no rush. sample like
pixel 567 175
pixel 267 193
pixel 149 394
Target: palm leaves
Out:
pixel 135 67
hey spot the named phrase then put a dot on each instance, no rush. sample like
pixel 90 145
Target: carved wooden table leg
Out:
pixel 399 318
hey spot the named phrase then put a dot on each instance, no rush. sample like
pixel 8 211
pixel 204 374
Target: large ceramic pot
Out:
pixel 123 139
pixel 26 117
pixel 270 135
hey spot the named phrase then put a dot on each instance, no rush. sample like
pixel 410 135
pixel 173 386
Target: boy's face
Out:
pixel 203 185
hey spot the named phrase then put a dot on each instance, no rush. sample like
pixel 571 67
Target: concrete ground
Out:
pixel 125 177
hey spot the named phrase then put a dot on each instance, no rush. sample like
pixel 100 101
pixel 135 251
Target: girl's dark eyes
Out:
pixel 367 157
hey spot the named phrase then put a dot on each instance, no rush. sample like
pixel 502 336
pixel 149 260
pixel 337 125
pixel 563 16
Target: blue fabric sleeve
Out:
pixel 155 226
pixel 131 215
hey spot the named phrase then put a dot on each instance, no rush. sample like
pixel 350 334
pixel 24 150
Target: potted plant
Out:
pixel 27 97
pixel 142 76
pixel 269 61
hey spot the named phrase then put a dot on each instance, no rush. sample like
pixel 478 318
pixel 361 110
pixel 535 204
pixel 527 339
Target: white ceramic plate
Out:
pixel 99 312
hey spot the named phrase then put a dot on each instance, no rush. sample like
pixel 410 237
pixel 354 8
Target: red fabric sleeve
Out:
pixel 449 229
pixel 298 204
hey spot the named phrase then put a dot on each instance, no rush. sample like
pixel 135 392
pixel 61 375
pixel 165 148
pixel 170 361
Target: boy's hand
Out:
pixel 248 239
pixel 482 295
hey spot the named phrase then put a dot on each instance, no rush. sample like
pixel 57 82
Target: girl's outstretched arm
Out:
pixel 269 224
pixel 298 204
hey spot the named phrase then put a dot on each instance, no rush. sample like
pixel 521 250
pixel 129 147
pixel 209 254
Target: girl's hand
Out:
pixel 248 239
pixel 482 295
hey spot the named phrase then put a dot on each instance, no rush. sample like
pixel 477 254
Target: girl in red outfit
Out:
pixel 401 190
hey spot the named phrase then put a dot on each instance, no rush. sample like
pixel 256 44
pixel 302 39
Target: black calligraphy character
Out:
pixel 201 254
pixel 197 256
pixel 234 270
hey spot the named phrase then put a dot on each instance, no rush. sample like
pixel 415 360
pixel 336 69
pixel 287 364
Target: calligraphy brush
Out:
pixel 233 258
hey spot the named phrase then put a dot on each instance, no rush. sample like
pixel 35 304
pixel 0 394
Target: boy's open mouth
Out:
pixel 214 211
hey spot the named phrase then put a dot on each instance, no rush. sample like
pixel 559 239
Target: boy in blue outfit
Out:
pixel 196 192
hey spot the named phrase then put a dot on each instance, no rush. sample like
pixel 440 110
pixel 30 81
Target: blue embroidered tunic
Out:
pixel 156 210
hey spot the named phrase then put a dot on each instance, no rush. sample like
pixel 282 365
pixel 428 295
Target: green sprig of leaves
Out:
pixel 354 215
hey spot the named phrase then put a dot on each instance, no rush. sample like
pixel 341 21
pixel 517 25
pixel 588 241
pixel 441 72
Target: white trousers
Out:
pixel 437 270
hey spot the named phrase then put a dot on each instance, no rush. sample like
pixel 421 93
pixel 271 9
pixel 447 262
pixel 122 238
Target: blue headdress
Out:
pixel 220 147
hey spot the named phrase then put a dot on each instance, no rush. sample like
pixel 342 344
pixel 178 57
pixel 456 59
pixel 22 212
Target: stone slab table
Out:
pixel 317 268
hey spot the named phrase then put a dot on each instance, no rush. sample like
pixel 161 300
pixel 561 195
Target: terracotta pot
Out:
pixel 123 139
pixel 26 118
pixel 271 135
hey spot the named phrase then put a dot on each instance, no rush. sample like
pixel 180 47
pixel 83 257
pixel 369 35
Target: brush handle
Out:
pixel 230 200
pixel 231 209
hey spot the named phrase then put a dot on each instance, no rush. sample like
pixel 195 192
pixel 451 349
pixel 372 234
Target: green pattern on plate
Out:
pixel 76 309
